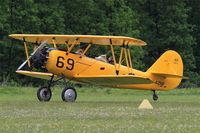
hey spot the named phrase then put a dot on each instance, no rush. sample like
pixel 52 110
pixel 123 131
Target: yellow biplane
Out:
pixel 50 61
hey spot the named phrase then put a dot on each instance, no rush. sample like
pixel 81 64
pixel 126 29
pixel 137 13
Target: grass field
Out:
pixel 99 110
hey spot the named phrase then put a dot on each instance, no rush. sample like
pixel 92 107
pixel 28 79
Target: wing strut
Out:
pixel 127 54
pixel 120 58
pixel 130 60
pixel 26 51
pixel 72 45
pixel 113 55
pixel 126 51
pixel 53 40
pixel 127 59
pixel 86 49
pixel 66 42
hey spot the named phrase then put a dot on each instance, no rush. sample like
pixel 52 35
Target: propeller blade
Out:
pixel 42 45
pixel 38 49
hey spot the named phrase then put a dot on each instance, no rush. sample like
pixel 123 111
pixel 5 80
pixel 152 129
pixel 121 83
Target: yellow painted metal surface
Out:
pixel 112 80
pixel 92 39
pixel 27 56
pixel 41 75
pixel 90 69
pixel 165 73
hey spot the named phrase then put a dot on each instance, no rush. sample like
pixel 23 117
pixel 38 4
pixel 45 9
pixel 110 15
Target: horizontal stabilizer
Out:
pixel 167 75
pixel 40 75
pixel 112 79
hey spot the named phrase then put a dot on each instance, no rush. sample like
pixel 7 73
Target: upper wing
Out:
pixel 113 79
pixel 40 75
pixel 69 39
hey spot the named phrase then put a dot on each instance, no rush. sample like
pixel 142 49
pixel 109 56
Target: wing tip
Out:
pixel 11 35
pixel 14 35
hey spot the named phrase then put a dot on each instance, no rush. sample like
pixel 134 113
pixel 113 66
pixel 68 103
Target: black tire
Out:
pixel 44 94
pixel 155 97
pixel 69 94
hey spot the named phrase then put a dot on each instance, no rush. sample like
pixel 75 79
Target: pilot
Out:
pixel 110 60
pixel 102 58
pixel 79 51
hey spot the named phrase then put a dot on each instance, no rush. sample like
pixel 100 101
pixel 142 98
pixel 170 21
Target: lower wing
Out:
pixel 112 79
pixel 40 75
pixel 97 79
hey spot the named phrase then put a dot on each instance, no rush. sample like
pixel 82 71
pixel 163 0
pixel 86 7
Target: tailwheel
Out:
pixel 69 94
pixel 44 94
pixel 155 96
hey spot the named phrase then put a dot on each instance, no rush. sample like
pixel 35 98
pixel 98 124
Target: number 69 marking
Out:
pixel 60 63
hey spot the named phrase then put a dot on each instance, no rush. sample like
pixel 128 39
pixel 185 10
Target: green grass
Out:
pixel 99 110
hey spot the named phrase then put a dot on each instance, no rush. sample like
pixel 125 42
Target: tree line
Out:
pixel 163 24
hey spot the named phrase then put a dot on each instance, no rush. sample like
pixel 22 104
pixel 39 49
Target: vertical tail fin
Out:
pixel 169 64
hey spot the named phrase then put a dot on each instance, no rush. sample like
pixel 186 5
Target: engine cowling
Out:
pixel 39 59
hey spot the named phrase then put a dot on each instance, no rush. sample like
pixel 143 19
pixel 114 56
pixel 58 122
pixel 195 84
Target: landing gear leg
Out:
pixel 44 93
pixel 155 96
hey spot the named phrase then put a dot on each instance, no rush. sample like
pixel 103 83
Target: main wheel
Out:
pixel 44 94
pixel 69 94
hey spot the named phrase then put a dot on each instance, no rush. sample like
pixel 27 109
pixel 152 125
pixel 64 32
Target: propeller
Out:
pixel 35 53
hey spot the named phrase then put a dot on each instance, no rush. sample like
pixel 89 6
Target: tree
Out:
pixel 194 19
pixel 166 27
pixel 162 24
pixel 123 21
pixel 51 16
pixel 21 17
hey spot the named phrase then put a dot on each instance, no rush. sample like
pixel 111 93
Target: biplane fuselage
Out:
pixel 73 65
pixel 165 74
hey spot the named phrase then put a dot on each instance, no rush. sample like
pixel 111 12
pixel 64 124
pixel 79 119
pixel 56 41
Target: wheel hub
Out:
pixel 44 94
pixel 69 95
